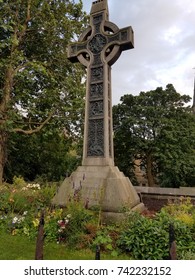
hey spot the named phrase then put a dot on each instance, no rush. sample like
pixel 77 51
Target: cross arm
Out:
pixel 75 49
pixel 124 38
pixel 120 40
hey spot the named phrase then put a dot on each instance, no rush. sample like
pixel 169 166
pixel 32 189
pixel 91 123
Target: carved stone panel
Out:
pixel 114 38
pixel 124 35
pixel 97 19
pixel 99 47
pixel 97 74
pixel 96 138
pixel 97 43
pixel 97 59
pixel 96 108
pixel 74 49
pixel 96 91
pixel 97 28
pixel 79 47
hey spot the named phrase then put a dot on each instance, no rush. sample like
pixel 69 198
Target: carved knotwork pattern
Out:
pixel 96 91
pixel 78 47
pixel 96 74
pixel 73 49
pixel 97 19
pixel 97 60
pixel 97 28
pixel 124 36
pixel 96 108
pixel 114 38
pixel 97 43
pixel 98 48
pixel 96 138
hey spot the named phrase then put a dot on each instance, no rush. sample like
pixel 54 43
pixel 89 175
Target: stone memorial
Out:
pixel 98 180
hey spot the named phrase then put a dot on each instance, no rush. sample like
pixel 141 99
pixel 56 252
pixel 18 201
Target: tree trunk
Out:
pixel 3 153
pixel 149 172
pixel 3 118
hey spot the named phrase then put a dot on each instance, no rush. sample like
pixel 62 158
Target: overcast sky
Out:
pixel 164 50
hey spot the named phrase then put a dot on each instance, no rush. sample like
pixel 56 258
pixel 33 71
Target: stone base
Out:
pixel 102 187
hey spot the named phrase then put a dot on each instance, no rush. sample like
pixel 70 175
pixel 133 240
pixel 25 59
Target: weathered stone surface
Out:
pixel 98 180
pixel 100 185
pixel 167 192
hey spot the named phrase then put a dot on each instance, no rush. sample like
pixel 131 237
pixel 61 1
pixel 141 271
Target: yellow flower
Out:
pixel 14 232
pixel 186 218
pixel 35 222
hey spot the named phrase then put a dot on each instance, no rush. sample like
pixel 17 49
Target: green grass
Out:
pixel 21 248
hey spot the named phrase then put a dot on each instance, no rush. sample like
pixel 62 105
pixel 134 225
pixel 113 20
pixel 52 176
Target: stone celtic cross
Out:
pixel 99 46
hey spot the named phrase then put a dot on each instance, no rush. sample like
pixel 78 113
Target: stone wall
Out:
pixel 155 198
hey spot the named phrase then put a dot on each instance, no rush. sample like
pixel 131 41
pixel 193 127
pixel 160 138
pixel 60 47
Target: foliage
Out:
pixel 48 155
pixel 187 255
pixel 22 202
pixel 106 239
pixel 38 85
pixel 138 236
pixel 157 128
pixel 181 209
pixel 22 196
pixel 145 238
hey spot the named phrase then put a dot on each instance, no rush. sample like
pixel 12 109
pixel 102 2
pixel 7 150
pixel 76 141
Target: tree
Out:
pixel 158 128
pixel 47 155
pixel 38 85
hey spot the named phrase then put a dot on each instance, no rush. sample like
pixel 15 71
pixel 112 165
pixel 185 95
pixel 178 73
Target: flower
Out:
pixel 61 223
pixel 14 232
pixel 31 186
pixel 35 222
pixel 17 220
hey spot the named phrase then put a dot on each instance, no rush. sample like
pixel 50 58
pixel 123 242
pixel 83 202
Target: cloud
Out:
pixel 164 45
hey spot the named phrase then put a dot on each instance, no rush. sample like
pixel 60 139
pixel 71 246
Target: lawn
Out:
pixel 21 248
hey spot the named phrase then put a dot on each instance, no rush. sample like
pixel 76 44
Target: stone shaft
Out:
pixel 98 48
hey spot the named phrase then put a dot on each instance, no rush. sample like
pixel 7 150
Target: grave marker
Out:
pixel 98 48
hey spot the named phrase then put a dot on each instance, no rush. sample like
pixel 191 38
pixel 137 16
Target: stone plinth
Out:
pixel 104 187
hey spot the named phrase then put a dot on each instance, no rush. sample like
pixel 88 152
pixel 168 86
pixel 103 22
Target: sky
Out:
pixel 164 45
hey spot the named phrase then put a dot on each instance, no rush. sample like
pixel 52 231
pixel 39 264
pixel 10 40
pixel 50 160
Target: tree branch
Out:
pixel 37 129
pixel 25 25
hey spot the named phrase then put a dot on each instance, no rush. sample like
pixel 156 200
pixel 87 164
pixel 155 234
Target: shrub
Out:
pixel 106 237
pixel 79 218
pixel 144 238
